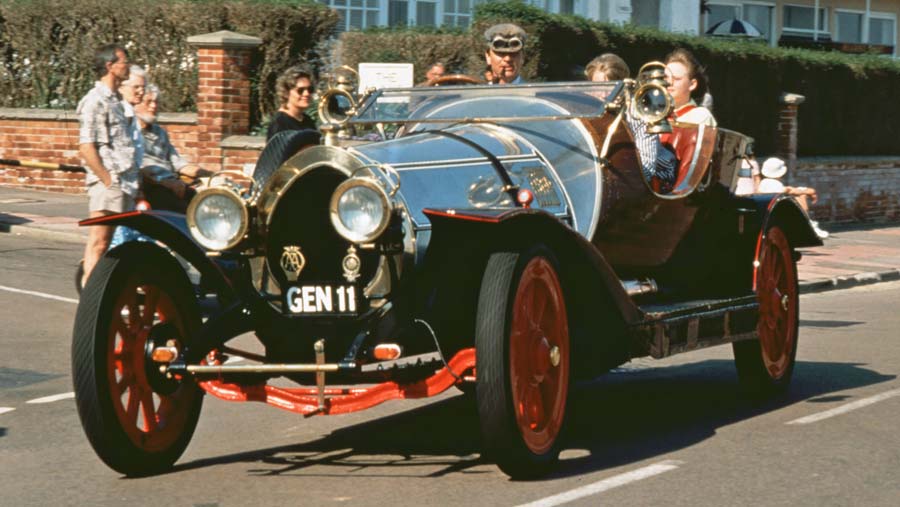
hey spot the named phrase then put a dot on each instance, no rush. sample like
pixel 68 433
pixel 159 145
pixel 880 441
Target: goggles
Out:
pixel 501 44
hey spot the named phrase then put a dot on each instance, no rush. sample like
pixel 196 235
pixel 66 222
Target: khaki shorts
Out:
pixel 112 198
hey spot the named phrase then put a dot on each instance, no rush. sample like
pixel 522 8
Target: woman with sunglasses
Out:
pixel 295 91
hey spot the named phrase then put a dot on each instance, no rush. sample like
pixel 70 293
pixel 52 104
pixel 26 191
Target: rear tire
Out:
pixel 137 298
pixel 522 362
pixel 765 365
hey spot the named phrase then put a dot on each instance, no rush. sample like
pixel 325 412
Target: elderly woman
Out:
pixel 295 91
pixel 161 166
pixel 687 84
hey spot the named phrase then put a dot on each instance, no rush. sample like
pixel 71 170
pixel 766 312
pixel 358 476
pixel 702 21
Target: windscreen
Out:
pixel 487 103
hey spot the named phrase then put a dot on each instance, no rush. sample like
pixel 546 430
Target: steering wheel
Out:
pixel 453 79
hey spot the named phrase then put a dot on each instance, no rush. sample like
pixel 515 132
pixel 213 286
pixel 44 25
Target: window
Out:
pixel 426 12
pixel 645 13
pixel 848 27
pixel 761 16
pixel 882 30
pixel 567 6
pixel 398 12
pixel 355 14
pixel 799 20
pixel 412 12
pixel 459 12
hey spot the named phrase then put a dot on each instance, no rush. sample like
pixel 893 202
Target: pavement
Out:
pixel 851 256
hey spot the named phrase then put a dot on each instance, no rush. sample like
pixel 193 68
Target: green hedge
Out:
pixel 46 46
pixel 419 46
pixel 846 95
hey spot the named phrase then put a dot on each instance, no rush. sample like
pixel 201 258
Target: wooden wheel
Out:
pixel 523 362
pixel 765 365
pixel 137 420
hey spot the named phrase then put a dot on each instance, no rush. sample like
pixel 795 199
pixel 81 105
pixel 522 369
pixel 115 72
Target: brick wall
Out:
pixel 223 111
pixel 46 135
pixel 862 189
pixel 239 153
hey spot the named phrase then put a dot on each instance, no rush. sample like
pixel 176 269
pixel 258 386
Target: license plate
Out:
pixel 322 299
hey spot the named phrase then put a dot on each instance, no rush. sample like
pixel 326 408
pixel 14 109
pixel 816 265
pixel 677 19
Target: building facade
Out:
pixel 846 25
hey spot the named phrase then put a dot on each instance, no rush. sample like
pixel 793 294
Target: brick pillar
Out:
pixel 786 130
pixel 223 91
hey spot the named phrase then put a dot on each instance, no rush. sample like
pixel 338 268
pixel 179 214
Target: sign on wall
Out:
pixel 385 75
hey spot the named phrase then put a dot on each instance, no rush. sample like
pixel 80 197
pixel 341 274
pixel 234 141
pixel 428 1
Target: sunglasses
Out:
pixel 300 89
pixel 503 44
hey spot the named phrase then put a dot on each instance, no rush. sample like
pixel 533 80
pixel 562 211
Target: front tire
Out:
pixel 765 365
pixel 522 362
pixel 137 298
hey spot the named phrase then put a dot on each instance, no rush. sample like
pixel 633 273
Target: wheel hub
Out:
pixel 162 334
pixel 554 356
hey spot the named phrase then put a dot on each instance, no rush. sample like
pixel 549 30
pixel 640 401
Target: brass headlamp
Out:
pixel 652 102
pixel 338 104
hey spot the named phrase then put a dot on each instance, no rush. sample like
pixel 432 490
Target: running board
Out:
pixel 675 328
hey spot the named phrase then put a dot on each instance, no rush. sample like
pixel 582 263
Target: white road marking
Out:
pixel 38 294
pixel 51 399
pixel 234 359
pixel 606 484
pixel 849 407
pixel 4 410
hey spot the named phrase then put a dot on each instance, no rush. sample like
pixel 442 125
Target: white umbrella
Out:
pixel 734 28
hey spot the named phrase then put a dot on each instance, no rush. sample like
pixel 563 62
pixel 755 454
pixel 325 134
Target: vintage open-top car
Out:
pixel 502 239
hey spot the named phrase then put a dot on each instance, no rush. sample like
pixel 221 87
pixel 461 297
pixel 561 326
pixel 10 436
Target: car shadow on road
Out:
pixel 623 417
pixel 7 220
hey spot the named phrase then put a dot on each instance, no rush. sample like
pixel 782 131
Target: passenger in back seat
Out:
pixel 687 85
pixel 657 163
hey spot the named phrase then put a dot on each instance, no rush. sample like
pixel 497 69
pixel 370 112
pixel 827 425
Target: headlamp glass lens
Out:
pixel 652 103
pixel 361 211
pixel 218 220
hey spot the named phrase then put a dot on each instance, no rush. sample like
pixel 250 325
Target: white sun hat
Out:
pixel 773 167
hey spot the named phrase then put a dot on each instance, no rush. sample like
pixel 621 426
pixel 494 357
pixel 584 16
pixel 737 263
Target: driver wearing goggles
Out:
pixel 504 52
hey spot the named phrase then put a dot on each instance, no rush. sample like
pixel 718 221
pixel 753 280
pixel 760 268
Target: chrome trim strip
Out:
pixel 464 161
pixel 470 120
pixel 598 175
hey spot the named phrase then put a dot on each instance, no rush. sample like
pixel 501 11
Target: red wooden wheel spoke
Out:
pixel 165 408
pixel 133 403
pixel 539 305
pixel 534 407
pixel 118 325
pixel 151 300
pixel 149 411
pixel 120 386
